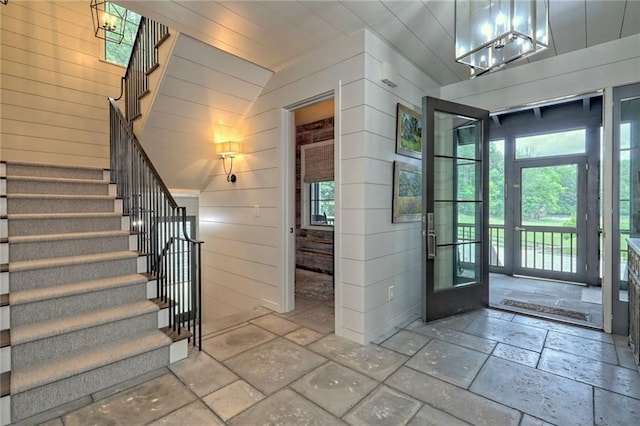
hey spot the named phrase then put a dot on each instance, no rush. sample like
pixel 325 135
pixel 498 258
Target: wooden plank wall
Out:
pixel 314 247
pixel 54 86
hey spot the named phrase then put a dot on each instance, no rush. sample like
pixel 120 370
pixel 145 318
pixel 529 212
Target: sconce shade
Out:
pixel 228 148
pixel 108 20
pixel 492 33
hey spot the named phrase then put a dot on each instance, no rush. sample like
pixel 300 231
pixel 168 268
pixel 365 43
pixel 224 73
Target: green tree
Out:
pixel 119 53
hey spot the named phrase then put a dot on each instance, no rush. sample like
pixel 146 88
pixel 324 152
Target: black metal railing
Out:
pixel 173 257
pixel 143 60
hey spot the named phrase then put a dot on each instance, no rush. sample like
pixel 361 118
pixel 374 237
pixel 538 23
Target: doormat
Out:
pixel 546 309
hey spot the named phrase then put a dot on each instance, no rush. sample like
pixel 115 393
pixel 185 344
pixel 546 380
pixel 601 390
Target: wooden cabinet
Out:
pixel 633 266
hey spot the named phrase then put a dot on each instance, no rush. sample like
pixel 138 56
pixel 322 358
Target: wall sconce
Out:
pixel 108 20
pixel 228 150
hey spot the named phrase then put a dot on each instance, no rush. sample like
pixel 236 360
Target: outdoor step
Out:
pixel 54 339
pixel 28 275
pixel 51 384
pixel 53 302
pixel 48 170
pixel 33 247
pixel 59 203
pixel 62 223
pixel 49 185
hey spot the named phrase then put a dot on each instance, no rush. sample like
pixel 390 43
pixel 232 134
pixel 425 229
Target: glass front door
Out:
pixel 456 259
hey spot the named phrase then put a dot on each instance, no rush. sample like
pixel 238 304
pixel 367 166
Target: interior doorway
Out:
pixel 312 213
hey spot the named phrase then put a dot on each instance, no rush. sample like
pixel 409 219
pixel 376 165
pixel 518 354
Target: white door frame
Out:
pixel 288 185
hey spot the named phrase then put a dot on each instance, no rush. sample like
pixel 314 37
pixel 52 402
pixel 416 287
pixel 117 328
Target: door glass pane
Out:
pixel 629 183
pixel 549 196
pixel 457 136
pixel 457 200
pixel 551 144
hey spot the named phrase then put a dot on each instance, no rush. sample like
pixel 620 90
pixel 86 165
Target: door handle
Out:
pixel 518 228
pixel 431 245
pixel 431 236
pixel 291 230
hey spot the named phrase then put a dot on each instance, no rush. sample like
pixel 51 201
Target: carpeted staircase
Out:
pixel 78 310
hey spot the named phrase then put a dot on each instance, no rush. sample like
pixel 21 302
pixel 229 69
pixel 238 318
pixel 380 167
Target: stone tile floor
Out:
pixel 488 367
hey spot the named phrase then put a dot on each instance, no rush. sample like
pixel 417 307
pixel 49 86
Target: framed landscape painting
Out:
pixel 407 192
pixel 408 132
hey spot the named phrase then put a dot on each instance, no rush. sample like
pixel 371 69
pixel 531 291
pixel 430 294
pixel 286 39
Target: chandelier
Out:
pixel 490 34
pixel 108 20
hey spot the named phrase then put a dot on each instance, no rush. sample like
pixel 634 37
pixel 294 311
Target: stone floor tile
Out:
pixel 374 361
pixel 543 395
pixel 196 413
pixel 522 336
pixel 285 408
pixel 496 313
pixel 57 412
pixel 301 305
pixel 334 387
pixel 600 351
pixel 453 400
pixel 615 409
pixel 626 358
pixel 320 318
pixel 140 405
pixel 620 340
pixel 53 422
pixel 385 406
pixel 406 342
pixel 274 365
pixel 462 339
pixel 226 345
pixel 611 377
pixel 449 362
pixel 222 323
pixel 564 328
pixel 515 354
pixel 202 374
pixel 429 416
pixel 275 324
pixel 232 399
pixel 528 420
pixel 458 322
pixel 304 336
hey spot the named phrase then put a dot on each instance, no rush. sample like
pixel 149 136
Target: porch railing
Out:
pixel 173 257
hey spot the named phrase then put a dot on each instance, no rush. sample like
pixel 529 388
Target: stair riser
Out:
pixel 19 227
pixel 51 171
pixel 38 278
pixel 67 188
pixel 63 248
pixel 30 313
pixel 57 347
pixel 31 205
pixel 31 402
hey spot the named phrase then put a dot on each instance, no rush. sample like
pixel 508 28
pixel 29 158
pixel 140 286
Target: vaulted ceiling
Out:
pixel 271 34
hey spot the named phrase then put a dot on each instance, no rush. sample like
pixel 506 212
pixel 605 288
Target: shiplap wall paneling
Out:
pixel 54 85
pixel 255 244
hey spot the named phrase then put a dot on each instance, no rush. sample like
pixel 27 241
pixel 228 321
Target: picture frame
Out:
pixel 408 132
pixel 407 193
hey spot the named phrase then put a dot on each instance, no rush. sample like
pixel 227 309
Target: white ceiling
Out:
pixel 271 34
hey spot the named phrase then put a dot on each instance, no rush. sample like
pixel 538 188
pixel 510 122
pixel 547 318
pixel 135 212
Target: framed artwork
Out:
pixel 407 192
pixel 408 132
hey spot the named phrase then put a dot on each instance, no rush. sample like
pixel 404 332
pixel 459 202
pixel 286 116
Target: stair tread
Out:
pixel 55 262
pixel 44 329
pixel 60 196
pixel 65 290
pixel 67 236
pixel 25 216
pixel 48 372
pixel 53 166
pixel 56 179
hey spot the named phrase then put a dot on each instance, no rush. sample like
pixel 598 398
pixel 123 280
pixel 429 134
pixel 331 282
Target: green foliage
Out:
pixel 120 53
pixel 410 184
pixel 411 133
pixel 409 205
